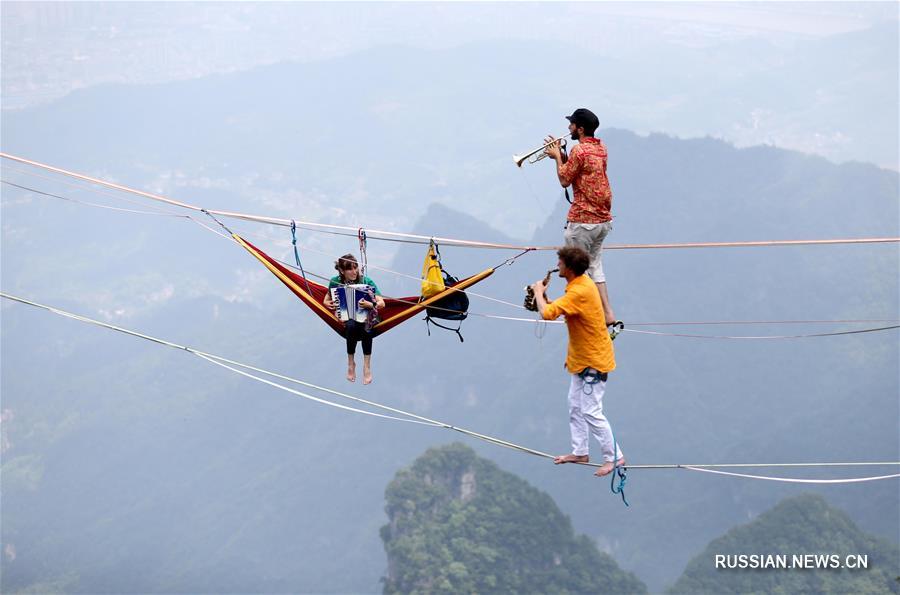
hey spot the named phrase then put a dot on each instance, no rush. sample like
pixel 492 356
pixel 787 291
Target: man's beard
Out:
pixel 575 135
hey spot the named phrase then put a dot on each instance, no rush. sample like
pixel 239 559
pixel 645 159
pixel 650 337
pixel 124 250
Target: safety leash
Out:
pixel 619 472
pixel 590 376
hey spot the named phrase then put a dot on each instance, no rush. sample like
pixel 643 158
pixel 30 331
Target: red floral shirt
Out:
pixel 586 172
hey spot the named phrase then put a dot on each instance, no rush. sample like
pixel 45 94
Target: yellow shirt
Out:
pixel 589 342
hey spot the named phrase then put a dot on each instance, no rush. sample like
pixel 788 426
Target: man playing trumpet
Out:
pixel 589 219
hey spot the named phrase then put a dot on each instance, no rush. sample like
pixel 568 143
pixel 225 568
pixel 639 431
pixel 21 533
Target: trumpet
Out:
pixel 540 152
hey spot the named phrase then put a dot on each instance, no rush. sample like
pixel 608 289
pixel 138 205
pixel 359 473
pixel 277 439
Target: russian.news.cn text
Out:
pixel 792 561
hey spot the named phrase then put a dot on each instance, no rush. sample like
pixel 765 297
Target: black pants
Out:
pixel 354 332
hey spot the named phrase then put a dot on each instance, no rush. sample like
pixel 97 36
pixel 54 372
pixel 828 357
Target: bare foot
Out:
pixel 351 373
pixel 570 459
pixel 608 467
pixel 367 376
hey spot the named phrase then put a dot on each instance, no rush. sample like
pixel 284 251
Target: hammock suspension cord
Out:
pixel 539 323
pixel 297 255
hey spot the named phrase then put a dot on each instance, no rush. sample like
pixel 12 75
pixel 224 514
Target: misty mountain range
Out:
pixel 127 467
pixel 819 78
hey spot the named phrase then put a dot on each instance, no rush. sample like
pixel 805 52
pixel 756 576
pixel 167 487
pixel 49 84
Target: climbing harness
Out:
pixel 591 376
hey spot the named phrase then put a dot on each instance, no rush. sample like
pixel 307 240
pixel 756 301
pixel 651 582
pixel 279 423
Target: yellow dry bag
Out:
pixel 432 279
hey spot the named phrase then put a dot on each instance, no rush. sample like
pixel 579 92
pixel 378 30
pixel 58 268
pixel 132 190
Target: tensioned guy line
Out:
pixel 234 365
pixel 91 204
pixel 375 234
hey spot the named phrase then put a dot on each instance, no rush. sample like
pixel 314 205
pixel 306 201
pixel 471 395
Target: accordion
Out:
pixel 346 300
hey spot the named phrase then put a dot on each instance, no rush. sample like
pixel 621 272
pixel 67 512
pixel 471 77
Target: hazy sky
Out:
pixel 71 40
pixel 51 49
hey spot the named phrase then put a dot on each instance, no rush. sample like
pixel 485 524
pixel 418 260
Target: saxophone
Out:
pixel 530 303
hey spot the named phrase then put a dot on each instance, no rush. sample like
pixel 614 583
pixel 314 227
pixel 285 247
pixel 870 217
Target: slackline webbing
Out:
pixel 763 337
pixel 233 366
pixel 793 479
pixel 416 238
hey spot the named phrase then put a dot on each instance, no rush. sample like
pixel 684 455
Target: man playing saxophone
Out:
pixel 590 359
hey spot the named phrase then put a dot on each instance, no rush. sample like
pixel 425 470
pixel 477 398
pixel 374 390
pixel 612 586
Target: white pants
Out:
pixel 586 419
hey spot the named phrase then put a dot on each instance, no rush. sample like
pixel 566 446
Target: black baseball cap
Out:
pixel 585 118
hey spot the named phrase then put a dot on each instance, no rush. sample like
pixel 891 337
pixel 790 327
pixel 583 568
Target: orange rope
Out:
pixel 425 239
pixel 751 244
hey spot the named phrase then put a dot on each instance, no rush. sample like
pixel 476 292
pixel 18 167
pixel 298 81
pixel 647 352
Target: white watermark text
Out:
pixel 792 561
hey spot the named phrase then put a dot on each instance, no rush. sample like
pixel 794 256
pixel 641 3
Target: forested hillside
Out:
pixel 460 524
pixel 800 525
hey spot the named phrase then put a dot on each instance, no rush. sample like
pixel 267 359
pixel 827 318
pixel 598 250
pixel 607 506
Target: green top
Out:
pixel 336 282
